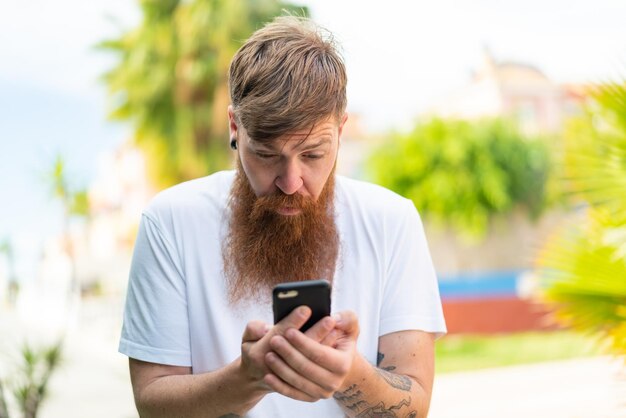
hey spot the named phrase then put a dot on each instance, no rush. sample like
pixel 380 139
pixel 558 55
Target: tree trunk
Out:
pixel 4 412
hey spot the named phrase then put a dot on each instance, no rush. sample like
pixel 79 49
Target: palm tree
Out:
pixel 4 411
pixel 171 80
pixel 7 248
pixel 584 264
pixel 74 203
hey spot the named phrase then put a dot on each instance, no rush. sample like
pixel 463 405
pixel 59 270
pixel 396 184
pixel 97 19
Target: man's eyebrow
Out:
pixel 321 142
pixel 270 146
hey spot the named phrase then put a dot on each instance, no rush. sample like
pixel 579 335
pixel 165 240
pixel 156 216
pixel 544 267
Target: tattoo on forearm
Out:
pixel 402 403
pixel 398 381
pixel 352 394
pixel 379 410
pixel 354 400
pixel 379 360
pixel 357 406
pixel 351 398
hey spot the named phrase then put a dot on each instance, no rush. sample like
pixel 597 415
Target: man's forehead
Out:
pixel 319 134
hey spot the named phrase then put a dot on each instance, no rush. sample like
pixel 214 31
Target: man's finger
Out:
pixel 320 355
pixel 290 376
pixel 321 329
pixel 283 388
pixel 331 339
pixel 347 322
pixel 311 363
pixel 255 330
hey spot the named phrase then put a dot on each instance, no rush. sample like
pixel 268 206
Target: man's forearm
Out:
pixel 370 390
pixel 221 393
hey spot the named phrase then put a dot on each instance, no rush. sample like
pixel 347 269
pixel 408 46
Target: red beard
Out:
pixel 264 248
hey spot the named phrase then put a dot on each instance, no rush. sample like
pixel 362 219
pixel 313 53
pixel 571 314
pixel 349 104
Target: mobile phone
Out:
pixel 313 293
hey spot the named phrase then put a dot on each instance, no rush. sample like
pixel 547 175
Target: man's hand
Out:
pixel 306 369
pixel 257 336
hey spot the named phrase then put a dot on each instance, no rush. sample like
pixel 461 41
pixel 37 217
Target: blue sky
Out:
pixel 401 55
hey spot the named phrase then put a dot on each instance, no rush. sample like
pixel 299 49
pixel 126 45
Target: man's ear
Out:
pixel 344 118
pixel 232 123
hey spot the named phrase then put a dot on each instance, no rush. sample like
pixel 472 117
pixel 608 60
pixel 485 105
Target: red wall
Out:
pixel 495 315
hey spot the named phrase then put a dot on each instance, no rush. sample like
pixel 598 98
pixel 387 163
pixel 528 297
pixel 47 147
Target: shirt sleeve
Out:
pixel 156 326
pixel 411 293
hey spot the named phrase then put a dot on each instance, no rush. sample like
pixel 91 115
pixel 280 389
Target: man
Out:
pixel 209 251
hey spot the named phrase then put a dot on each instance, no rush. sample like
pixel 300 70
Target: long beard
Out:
pixel 264 248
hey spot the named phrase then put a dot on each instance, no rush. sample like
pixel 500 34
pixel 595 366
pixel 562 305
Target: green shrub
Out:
pixel 462 173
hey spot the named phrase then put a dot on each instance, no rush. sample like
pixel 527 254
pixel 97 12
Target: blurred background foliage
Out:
pixel 463 173
pixel 30 384
pixel 171 80
pixel 75 204
pixel 475 351
pixel 583 265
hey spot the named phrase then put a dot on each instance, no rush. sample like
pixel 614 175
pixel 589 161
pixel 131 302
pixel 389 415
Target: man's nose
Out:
pixel 289 180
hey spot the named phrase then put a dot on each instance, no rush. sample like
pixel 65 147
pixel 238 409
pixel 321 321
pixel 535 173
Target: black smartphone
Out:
pixel 313 293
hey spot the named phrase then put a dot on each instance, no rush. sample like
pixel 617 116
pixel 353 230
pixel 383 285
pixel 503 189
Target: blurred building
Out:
pixel 355 146
pixel 4 281
pixel 104 242
pixel 516 90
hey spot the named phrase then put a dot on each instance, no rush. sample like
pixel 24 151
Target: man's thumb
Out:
pixel 295 319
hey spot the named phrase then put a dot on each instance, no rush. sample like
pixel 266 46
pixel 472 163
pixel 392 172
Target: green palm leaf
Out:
pixel 584 265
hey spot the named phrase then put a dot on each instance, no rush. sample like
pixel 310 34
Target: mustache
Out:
pixel 272 202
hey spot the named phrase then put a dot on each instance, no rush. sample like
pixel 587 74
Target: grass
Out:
pixel 472 352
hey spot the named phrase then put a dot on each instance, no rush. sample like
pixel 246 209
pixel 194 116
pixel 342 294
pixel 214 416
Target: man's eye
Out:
pixel 264 155
pixel 313 156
